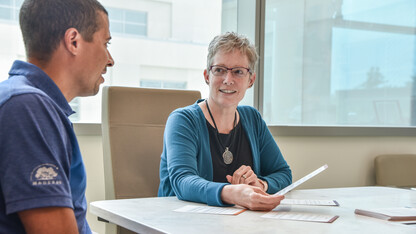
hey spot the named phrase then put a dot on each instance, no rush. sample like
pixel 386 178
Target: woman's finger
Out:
pixel 250 178
pixel 238 174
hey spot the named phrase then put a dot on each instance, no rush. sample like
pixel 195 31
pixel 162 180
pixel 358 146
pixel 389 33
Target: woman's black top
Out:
pixel 240 148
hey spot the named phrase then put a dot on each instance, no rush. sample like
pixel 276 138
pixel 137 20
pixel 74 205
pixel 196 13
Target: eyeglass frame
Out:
pixel 229 69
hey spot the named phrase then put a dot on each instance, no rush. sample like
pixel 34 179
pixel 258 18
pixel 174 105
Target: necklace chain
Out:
pixel 226 149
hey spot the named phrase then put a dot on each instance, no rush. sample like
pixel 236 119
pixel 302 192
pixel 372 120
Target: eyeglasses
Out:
pixel 239 72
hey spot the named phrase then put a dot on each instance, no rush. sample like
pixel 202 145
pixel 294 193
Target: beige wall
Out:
pixel 350 161
pixel 92 152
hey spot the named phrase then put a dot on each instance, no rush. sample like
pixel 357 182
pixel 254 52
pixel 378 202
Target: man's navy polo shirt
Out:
pixel 40 160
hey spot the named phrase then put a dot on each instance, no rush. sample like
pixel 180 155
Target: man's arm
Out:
pixel 49 220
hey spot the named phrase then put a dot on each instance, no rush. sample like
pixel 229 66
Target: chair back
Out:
pixel 133 122
pixel 397 170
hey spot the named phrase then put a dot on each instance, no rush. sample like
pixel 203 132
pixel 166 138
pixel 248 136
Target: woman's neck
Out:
pixel 225 118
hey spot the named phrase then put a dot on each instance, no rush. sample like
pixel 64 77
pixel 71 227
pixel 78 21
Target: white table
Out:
pixel 156 215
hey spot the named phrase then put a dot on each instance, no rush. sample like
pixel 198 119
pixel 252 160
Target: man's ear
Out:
pixel 71 40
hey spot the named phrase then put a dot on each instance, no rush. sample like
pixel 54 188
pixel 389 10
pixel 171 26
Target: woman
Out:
pixel 217 153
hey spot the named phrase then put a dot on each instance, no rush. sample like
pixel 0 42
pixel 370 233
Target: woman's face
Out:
pixel 228 90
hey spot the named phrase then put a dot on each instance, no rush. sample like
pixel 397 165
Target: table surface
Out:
pixel 157 215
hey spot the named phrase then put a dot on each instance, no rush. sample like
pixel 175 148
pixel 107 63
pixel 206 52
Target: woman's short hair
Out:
pixel 44 23
pixel 229 42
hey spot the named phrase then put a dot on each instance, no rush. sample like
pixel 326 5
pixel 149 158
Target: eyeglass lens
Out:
pixel 235 71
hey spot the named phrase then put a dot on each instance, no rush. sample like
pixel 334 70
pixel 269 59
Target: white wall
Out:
pixel 11 49
pixel 350 161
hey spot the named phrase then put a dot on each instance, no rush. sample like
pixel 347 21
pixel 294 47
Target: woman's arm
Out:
pixel 250 197
pixel 182 141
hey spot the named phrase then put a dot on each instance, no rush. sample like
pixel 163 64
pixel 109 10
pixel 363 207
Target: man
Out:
pixel 42 176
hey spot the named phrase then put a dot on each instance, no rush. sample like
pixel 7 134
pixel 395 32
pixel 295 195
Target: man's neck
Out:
pixel 56 73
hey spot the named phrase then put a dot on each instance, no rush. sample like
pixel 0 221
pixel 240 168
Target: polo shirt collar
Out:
pixel 39 79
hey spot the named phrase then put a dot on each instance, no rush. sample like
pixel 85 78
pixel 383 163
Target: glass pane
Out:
pixel 389 12
pixel 135 29
pixel 372 71
pixel 18 3
pixel 6 2
pixel 340 63
pixel 115 14
pixel 174 85
pixel 5 13
pixel 151 83
pixel 136 17
pixel 229 15
pixel 116 27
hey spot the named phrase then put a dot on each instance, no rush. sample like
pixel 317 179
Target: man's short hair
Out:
pixel 44 23
pixel 228 42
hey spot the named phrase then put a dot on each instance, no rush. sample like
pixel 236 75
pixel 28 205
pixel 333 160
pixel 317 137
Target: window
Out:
pixel 158 44
pixel 155 44
pixel 162 84
pixel 9 10
pixel 324 62
pixel 128 22
pixel 340 63
pixel 75 107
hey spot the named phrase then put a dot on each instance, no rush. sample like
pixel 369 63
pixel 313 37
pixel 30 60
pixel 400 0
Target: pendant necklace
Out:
pixel 227 155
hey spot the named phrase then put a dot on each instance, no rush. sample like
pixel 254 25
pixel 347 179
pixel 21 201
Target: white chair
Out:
pixel 133 122
pixel 398 170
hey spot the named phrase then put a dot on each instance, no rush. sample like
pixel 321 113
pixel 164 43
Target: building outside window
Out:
pixel 127 22
pixel 9 10
pixel 340 63
pixel 162 84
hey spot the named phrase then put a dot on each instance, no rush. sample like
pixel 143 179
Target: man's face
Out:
pixel 95 59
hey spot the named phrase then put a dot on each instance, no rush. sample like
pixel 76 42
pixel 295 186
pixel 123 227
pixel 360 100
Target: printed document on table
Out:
pixel 211 210
pixel 308 202
pixel 298 216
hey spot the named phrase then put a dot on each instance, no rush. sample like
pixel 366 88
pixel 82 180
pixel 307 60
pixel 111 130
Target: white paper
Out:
pixel 211 210
pixel 298 216
pixel 302 180
pixel 287 201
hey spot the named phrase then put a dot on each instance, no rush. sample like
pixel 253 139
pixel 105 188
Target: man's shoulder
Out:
pixel 17 86
pixel 28 105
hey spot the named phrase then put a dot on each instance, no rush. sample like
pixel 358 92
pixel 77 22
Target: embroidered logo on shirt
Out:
pixel 45 174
